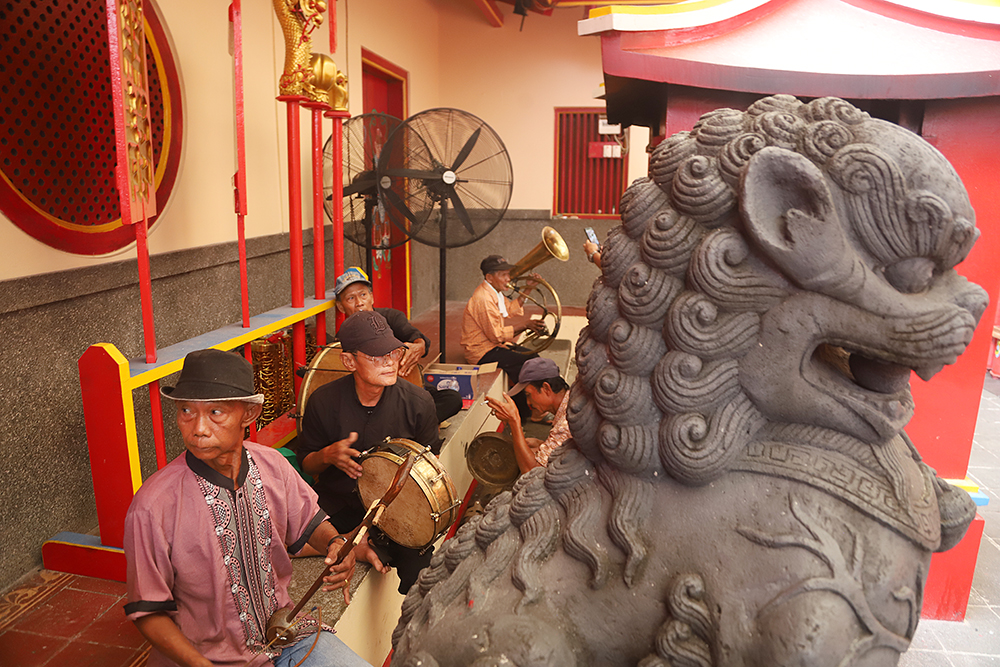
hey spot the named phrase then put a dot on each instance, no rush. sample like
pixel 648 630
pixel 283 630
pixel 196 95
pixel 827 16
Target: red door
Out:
pixel 384 91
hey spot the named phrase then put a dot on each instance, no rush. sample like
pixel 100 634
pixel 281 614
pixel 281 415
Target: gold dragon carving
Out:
pixel 311 75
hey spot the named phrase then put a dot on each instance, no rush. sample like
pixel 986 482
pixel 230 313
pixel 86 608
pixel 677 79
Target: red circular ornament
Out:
pixel 57 137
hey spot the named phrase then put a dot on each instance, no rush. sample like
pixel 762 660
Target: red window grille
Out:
pixel 587 184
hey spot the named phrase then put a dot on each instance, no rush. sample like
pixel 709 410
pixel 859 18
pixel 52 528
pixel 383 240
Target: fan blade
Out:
pixel 412 173
pixel 361 185
pixel 466 149
pixel 400 205
pixel 463 215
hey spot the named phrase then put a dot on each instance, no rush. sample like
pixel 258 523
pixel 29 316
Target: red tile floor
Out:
pixel 53 618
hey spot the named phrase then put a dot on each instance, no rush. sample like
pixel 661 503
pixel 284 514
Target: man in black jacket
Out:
pixel 356 413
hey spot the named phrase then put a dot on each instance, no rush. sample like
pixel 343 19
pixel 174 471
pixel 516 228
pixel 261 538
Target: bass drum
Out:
pixel 425 507
pixel 326 367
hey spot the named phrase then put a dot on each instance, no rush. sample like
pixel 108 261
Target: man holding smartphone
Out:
pixel 592 248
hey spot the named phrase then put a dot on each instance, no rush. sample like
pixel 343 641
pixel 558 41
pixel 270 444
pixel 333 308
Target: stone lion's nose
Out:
pixel 973 298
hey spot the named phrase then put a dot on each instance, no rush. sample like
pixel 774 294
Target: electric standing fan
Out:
pixel 367 222
pixel 447 177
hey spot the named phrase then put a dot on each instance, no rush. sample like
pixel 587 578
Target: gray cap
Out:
pixel 535 369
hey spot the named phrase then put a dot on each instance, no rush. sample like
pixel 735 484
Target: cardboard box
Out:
pixel 460 377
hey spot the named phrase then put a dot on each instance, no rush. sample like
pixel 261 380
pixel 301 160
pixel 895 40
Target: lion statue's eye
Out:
pixel 911 275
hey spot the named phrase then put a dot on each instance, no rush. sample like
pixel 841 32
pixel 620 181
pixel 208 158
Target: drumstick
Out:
pixel 354 537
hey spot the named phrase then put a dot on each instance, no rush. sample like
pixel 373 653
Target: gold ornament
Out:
pixel 298 20
pixel 327 83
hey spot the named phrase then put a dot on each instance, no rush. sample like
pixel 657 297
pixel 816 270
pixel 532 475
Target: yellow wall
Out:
pixel 512 79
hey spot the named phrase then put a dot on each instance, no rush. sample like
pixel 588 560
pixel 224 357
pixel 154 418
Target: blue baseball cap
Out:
pixel 348 278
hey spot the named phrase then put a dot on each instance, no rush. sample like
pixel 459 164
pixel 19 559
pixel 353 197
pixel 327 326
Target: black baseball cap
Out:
pixel 494 263
pixel 367 331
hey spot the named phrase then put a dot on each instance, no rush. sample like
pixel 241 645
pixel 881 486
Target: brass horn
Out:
pixel 551 246
pixel 537 291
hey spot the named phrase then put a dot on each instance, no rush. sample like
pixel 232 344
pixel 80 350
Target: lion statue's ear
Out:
pixel 789 211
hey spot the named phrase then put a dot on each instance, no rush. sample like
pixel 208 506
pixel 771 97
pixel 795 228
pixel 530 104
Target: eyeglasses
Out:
pixel 386 359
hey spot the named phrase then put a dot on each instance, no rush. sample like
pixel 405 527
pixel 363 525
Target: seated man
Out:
pixel 485 336
pixel 356 413
pixel 353 292
pixel 208 537
pixel 545 391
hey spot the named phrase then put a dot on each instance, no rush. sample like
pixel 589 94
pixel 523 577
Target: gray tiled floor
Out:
pixel 975 642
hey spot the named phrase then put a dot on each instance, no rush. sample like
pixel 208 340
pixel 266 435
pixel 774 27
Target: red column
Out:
pixel 319 218
pixel 295 231
pixel 338 194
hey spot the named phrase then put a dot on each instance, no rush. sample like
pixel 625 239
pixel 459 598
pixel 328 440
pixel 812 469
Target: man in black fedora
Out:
pixel 208 537
pixel 486 337
pixel 356 413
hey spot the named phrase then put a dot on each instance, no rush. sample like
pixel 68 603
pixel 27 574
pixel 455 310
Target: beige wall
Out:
pixel 512 79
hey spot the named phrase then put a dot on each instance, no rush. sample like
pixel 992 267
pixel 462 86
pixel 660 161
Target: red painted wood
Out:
pixel 949 580
pixel 83 559
pixel 240 177
pixel 384 90
pixel 149 340
pixel 277 432
pixel 292 105
pixel 967 132
pixel 117 104
pixel 895 65
pixel 145 292
pixel 319 216
pixel 108 415
pixel 338 195
pixel 462 509
pixel 491 12
pixel 587 184
pixel 333 26
pixel 156 416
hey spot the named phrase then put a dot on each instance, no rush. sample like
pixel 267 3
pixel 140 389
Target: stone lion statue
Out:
pixel 738 490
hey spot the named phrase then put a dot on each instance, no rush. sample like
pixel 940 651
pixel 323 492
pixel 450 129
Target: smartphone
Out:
pixel 592 236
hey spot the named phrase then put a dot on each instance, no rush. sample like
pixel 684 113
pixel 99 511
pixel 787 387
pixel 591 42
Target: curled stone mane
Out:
pixel 681 296
pixel 705 357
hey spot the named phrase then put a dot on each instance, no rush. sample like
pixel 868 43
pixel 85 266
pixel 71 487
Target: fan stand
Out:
pixel 442 275
pixel 369 217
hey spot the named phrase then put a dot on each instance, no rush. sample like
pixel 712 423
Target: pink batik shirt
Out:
pixel 213 557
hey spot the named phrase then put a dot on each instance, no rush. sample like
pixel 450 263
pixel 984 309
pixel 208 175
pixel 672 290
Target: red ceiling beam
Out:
pixel 491 12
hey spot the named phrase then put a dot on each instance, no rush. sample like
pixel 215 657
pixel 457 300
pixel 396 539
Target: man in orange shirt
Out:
pixel 485 335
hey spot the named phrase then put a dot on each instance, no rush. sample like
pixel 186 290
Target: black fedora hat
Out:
pixel 214 375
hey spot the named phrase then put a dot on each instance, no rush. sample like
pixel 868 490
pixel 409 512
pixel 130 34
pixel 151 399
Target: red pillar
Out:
pixel 295 231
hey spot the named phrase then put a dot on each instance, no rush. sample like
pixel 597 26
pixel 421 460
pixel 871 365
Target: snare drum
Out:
pixel 428 503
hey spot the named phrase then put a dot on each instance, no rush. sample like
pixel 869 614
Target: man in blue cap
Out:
pixel 353 291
